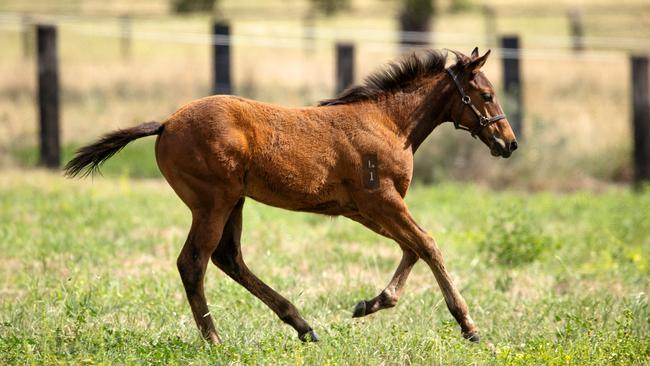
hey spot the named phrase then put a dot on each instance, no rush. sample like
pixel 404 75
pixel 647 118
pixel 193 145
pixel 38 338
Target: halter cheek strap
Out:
pixel 483 121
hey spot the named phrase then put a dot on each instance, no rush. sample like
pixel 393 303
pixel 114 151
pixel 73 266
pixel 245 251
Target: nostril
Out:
pixel 513 145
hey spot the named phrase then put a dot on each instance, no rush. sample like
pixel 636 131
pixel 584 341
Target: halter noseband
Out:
pixel 483 121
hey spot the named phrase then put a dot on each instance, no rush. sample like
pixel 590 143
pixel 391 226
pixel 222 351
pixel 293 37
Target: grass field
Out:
pixel 88 268
pixel 87 276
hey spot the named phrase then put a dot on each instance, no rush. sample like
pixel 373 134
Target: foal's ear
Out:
pixel 475 52
pixel 477 63
pixel 460 57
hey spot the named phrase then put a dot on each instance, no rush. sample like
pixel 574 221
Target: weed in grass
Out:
pixel 514 238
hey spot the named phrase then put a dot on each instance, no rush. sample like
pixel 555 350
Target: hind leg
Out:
pixel 228 257
pixel 207 227
pixel 205 170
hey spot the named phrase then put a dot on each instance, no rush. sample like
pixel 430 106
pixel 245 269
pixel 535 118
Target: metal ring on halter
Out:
pixel 466 99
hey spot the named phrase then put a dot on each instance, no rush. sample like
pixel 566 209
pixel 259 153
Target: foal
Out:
pixel 350 156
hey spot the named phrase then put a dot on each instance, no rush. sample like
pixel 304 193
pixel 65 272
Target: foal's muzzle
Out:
pixel 499 147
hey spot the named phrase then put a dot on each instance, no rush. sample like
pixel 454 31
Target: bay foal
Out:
pixel 350 156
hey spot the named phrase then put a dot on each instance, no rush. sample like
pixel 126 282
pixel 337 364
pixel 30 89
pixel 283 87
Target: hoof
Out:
pixel 359 310
pixel 309 336
pixel 213 339
pixel 472 337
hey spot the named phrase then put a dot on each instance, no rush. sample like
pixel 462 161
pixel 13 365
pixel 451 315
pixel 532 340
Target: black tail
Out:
pixel 89 158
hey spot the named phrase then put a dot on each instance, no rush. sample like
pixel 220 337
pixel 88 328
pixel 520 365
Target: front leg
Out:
pixel 389 297
pixel 389 211
pixel 391 294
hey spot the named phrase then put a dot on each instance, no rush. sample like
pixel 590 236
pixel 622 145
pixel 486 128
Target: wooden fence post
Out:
pixel 27 36
pixel 344 66
pixel 512 83
pixel 489 18
pixel 48 96
pixel 221 58
pixel 641 118
pixel 308 32
pixel 125 36
pixel 577 30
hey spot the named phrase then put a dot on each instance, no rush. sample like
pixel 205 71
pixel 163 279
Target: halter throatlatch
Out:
pixel 483 121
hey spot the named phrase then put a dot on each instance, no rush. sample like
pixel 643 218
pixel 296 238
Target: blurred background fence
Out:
pixel 571 73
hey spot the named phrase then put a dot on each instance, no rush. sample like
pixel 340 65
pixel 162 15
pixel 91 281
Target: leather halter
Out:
pixel 483 121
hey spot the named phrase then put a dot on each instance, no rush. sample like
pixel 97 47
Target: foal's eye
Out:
pixel 487 97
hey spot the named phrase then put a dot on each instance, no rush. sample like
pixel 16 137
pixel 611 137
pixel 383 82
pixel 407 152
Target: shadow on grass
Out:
pixel 136 160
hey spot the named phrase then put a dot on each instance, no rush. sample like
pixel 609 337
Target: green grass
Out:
pixel 87 276
pixel 136 160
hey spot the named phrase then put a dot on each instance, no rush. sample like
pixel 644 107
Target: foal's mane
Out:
pixel 396 76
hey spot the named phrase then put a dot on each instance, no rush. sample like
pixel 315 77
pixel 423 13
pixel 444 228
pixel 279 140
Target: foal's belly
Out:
pixel 308 193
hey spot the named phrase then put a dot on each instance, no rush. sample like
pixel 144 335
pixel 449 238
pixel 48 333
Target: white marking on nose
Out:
pixel 499 141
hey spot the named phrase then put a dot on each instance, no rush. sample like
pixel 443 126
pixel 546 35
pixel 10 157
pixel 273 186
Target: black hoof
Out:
pixel 309 336
pixel 472 337
pixel 359 310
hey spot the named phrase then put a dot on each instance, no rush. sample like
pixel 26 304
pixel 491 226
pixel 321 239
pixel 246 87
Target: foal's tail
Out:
pixel 89 158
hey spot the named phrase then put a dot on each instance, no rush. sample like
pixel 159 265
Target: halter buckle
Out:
pixel 466 99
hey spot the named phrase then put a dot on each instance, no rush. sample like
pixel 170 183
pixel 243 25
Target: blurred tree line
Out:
pixel 193 6
pixel 414 16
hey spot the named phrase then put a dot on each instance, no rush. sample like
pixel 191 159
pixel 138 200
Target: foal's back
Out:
pixel 295 158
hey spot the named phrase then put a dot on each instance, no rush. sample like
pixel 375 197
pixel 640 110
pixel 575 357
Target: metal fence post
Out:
pixel 221 58
pixel 512 82
pixel 641 117
pixel 577 30
pixel 48 96
pixel 344 66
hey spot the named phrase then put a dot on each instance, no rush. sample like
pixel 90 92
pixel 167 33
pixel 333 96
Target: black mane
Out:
pixel 394 77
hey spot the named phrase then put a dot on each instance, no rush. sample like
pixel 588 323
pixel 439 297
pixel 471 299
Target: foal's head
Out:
pixel 476 108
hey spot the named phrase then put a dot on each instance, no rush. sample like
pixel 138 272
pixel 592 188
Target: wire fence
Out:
pixel 538 46
pixel 567 94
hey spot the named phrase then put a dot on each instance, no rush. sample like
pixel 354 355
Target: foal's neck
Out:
pixel 419 109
